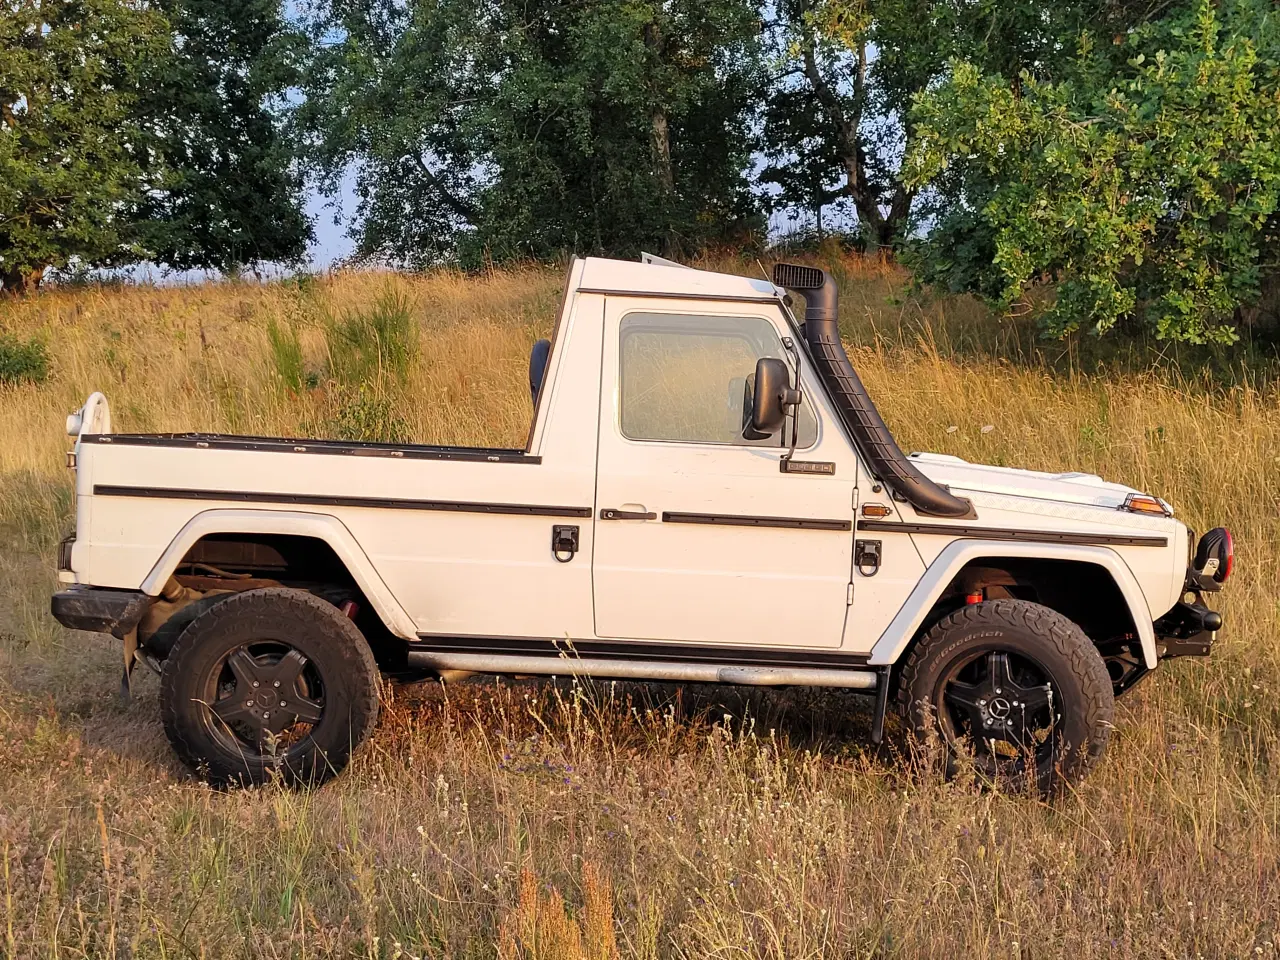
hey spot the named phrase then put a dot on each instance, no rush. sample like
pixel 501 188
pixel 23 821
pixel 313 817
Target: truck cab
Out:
pixel 707 494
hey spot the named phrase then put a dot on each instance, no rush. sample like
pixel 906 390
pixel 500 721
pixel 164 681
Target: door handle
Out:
pixel 610 513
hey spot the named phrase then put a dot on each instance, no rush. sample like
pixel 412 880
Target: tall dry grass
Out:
pixel 540 821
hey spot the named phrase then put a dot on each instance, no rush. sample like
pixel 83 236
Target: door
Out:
pixel 700 537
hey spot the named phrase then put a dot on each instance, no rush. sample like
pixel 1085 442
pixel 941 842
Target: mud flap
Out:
pixel 130 658
pixel 882 704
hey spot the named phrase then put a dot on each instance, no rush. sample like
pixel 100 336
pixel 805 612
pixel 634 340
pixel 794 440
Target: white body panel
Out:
pixel 459 545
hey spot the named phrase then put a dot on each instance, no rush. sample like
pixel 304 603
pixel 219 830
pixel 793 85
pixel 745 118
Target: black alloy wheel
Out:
pixel 267 695
pixel 1003 704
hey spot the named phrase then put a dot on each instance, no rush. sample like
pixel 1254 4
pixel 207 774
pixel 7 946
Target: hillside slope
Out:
pixel 706 823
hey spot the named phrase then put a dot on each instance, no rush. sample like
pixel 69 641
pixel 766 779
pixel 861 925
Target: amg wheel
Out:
pixel 1018 685
pixel 269 683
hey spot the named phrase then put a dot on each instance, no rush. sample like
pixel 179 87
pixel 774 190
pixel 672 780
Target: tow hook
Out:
pixel 1187 630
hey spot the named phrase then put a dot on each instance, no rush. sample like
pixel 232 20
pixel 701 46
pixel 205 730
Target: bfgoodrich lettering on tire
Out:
pixel 1018 685
pixel 269 683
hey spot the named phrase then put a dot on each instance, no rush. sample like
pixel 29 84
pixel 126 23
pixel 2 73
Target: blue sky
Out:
pixel 331 242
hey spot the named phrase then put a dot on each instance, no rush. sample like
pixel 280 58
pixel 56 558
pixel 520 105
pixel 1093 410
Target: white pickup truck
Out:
pixel 707 495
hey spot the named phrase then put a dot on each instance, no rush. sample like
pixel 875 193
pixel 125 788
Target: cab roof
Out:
pixel 602 275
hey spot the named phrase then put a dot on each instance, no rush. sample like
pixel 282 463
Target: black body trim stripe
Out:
pixel 347 448
pixel 637 650
pixel 666 295
pixel 1000 533
pixel 729 520
pixel 320 500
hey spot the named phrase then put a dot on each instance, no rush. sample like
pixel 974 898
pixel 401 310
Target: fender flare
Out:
pixel 320 526
pixel 888 649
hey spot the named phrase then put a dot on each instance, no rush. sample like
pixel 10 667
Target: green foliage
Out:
pixel 23 361
pixel 145 131
pixel 365 413
pixel 376 346
pixel 69 80
pixel 286 355
pixel 514 129
pixel 1146 187
pixel 837 121
pixel 228 190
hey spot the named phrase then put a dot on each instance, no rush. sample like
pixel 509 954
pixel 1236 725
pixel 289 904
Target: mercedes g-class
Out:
pixel 707 495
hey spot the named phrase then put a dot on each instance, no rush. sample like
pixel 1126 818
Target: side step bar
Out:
pixel 659 670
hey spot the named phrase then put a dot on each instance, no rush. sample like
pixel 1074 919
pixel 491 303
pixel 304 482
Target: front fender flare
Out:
pixel 321 526
pixel 888 649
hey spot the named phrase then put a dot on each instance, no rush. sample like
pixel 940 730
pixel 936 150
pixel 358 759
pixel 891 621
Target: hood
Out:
pixel 964 477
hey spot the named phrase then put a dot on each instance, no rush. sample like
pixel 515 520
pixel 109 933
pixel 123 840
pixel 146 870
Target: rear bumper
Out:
pixel 99 610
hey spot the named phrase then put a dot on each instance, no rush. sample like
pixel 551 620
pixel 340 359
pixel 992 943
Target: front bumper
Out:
pixel 99 610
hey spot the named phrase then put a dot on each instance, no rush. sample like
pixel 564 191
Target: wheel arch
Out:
pixel 1105 569
pixel 289 524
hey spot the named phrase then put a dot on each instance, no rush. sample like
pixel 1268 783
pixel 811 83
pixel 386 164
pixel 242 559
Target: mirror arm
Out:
pixel 793 398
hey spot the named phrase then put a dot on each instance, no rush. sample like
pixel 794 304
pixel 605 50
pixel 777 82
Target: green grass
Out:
pixel 23 361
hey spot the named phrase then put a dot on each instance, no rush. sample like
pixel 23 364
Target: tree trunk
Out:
pixel 660 139
pixel 660 145
pixel 17 281
pixel 878 229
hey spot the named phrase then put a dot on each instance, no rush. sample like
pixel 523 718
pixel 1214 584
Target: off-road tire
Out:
pixel 1070 659
pixel 308 624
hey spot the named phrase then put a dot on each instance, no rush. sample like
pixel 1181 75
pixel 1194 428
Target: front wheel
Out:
pixel 1018 685
pixel 267 683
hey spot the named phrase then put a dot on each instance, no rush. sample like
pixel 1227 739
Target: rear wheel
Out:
pixel 1019 686
pixel 269 683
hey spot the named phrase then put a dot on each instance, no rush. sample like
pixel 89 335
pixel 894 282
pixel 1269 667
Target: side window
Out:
pixel 687 377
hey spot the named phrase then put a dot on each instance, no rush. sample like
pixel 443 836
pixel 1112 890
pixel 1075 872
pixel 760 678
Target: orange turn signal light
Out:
pixel 1144 503
pixel 874 511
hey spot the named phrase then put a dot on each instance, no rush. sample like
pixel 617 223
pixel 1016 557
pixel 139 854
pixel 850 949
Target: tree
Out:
pixel 850 69
pixel 507 129
pixel 835 46
pixel 1145 186
pixel 228 191
pixel 134 131
pixel 800 174
pixel 68 86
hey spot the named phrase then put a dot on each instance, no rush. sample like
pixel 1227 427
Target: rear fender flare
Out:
pixel 321 526
pixel 889 648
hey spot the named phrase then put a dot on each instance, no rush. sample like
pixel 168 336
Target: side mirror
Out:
pixel 538 367
pixel 773 396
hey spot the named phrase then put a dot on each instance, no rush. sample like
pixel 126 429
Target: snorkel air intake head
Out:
pixel 884 458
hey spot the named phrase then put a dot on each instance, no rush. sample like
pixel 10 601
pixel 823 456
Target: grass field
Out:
pixel 561 822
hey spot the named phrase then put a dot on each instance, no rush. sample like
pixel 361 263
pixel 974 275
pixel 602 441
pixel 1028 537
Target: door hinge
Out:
pixel 848 596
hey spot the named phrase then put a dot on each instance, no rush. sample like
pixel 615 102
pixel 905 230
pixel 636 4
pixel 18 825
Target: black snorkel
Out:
pixel 884 458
